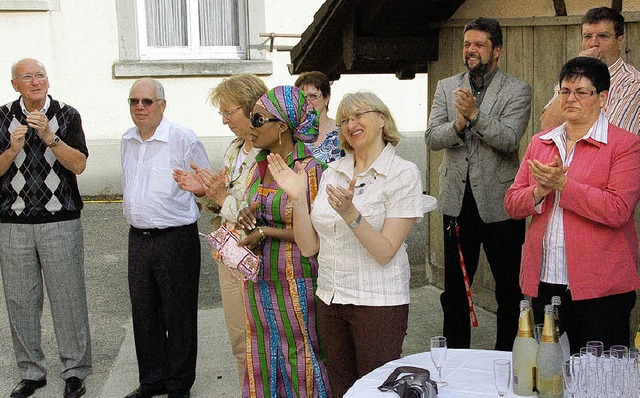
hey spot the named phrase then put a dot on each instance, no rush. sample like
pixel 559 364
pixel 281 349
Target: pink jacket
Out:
pixel 599 201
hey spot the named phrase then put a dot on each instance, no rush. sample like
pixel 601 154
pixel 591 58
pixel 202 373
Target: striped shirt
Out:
pixel 554 260
pixel 623 106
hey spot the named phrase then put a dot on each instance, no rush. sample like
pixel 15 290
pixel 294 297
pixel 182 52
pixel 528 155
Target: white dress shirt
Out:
pixel 347 274
pixel 152 199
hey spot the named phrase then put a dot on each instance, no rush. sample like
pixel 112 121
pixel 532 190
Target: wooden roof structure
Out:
pixel 373 36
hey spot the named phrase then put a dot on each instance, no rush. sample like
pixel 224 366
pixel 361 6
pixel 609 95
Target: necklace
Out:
pixel 245 150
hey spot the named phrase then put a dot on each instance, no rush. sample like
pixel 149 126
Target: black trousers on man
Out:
pixel 502 243
pixel 164 272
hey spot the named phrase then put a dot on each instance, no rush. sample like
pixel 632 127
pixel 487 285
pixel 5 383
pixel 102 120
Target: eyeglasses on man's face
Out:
pixel 258 120
pixel 602 36
pixel 146 102
pixel 356 117
pixel 227 114
pixel 40 76
pixel 581 93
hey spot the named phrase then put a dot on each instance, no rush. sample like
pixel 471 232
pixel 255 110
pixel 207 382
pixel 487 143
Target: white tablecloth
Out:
pixel 468 372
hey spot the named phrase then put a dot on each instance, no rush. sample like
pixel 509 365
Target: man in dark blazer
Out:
pixel 478 118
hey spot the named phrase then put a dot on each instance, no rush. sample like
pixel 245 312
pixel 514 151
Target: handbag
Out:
pixel 239 259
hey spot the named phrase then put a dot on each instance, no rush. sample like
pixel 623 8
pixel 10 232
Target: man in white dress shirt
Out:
pixel 164 248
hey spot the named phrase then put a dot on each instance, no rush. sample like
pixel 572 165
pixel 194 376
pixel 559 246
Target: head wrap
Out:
pixel 289 105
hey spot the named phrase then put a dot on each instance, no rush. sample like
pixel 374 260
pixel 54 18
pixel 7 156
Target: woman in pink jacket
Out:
pixel 580 183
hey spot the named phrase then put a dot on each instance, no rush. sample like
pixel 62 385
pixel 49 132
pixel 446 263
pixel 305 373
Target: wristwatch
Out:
pixel 55 142
pixel 355 223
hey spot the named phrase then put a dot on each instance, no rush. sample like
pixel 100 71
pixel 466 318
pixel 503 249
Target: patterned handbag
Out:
pixel 239 259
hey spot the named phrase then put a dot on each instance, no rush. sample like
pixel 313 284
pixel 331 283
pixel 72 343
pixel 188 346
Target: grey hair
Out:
pixel 159 87
pixel 14 67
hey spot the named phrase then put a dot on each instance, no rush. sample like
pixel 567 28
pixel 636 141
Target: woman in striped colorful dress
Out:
pixel 283 351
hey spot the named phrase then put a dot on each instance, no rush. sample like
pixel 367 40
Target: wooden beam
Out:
pixel 560 7
pixel 399 49
pixel 616 5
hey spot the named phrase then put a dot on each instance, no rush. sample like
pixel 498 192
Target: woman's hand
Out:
pixel 246 220
pixel 294 183
pixel 187 182
pixel 341 200
pixel 213 183
pixel 252 239
pixel 551 176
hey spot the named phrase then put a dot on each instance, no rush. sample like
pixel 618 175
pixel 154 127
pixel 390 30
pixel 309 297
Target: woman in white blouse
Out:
pixel 366 205
pixel 235 97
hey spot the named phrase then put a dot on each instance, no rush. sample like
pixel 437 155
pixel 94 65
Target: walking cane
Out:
pixel 467 284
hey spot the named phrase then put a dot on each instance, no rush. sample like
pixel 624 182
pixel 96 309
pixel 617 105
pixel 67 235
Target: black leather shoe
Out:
pixel 179 394
pixel 146 392
pixel 27 387
pixel 74 388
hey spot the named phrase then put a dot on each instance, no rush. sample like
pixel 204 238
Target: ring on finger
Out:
pixel 240 218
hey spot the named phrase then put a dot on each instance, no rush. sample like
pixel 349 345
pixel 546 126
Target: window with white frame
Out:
pixel 191 29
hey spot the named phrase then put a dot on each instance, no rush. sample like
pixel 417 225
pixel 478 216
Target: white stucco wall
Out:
pixel 79 43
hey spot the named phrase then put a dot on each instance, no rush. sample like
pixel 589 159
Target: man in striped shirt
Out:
pixel 603 38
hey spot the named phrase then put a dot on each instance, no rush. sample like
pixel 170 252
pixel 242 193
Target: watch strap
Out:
pixel 356 223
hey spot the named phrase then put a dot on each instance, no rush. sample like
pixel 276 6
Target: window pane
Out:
pixel 219 23
pixel 166 23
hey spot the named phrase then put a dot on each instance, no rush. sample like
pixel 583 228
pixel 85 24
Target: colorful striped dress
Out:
pixel 283 352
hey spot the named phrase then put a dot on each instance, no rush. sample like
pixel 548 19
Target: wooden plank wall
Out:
pixel 534 50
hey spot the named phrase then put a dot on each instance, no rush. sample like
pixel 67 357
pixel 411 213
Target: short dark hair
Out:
pixel 316 79
pixel 599 14
pixel 489 25
pixel 591 68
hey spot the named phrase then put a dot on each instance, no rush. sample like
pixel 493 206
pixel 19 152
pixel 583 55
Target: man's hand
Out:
pixel 39 121
pixel 593 52
pixel 18 138
pixel 465 102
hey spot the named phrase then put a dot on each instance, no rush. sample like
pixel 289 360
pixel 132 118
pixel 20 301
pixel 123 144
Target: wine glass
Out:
pixel 571 373
pixel 502 376
pixel 439 357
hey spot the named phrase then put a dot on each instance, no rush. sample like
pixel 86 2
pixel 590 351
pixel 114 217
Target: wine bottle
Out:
pixel 549 360
pixel 525 348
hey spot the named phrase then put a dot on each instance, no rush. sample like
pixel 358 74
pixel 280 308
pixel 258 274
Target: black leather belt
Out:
pixel 152 232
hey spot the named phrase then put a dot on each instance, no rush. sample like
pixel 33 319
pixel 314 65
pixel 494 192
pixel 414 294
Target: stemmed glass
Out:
pixel 502 376
pixel 571 371
pixel 439 357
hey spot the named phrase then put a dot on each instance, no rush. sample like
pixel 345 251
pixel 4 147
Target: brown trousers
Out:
pixel 359 339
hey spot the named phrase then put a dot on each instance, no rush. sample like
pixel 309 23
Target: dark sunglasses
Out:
pixel 146 102
pixel 258 120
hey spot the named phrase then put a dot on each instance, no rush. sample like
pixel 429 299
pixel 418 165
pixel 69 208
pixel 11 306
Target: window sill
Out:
pixel 216 67
pixel 29 5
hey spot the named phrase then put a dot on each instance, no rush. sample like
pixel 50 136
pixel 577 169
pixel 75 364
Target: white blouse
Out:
pixel 347 274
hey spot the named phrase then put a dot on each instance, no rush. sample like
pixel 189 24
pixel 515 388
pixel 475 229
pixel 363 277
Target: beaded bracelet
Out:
pixel 262 236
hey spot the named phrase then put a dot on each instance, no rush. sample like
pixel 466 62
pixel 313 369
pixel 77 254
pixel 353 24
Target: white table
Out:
pixel 468 372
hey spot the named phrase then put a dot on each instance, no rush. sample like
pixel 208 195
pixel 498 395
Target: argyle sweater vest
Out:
pixel 37 188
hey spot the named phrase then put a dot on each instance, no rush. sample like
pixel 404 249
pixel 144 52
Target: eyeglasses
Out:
pixel 227 114
pixel 602 36
pixel 258 120
pixel 146 102
pixel 581 93
pixel 28 78
pixel 313 97
pixel 356 117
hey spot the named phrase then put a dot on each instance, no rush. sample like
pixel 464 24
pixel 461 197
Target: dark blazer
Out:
pixel 490 148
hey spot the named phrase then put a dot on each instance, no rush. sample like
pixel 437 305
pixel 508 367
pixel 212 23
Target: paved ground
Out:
pixel 115 369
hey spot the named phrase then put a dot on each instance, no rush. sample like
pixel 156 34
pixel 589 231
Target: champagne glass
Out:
pixel 439 357
pixel 599 346
pixel 502 376
pixel 571 371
